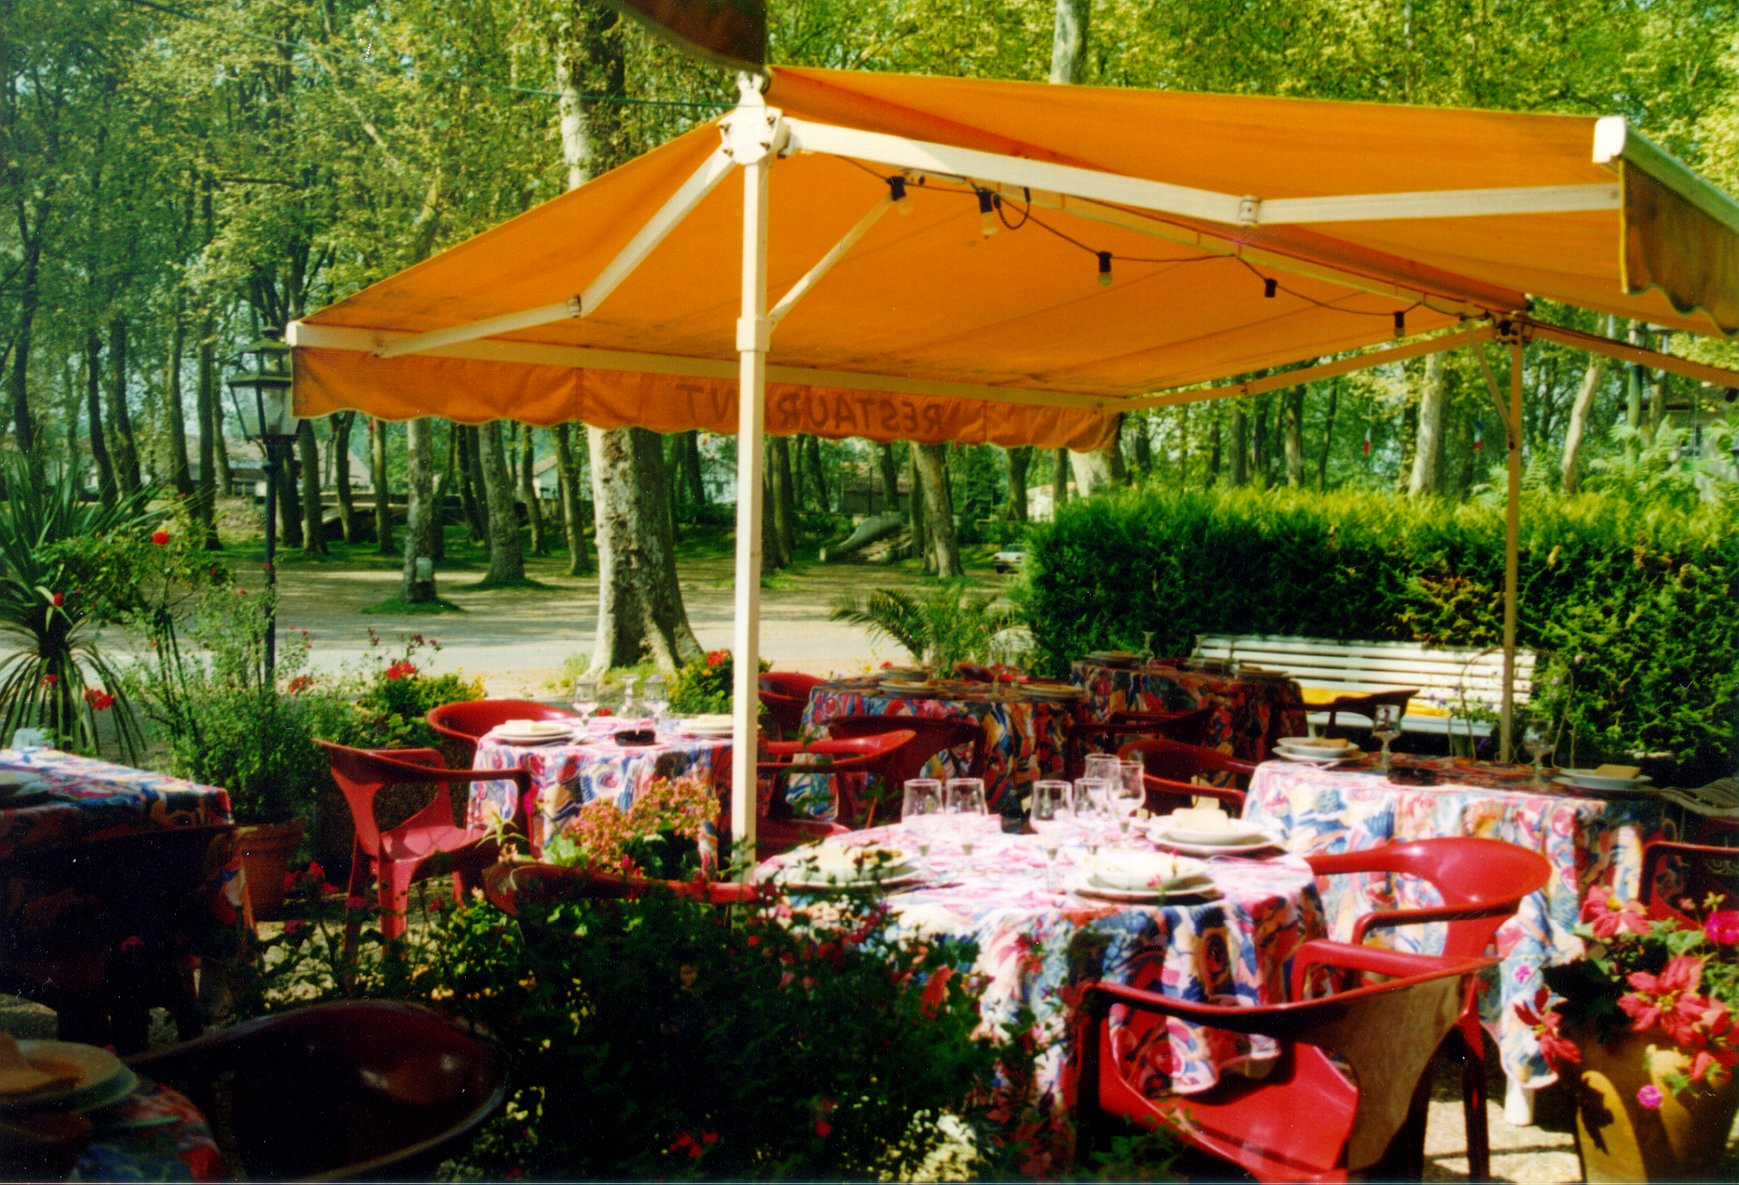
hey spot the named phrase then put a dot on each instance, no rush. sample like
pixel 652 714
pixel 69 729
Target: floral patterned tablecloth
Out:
pixel 568 775
pixel 1248 713
pixel 154 1134
pixel 1037 945
pixel 82 797
pixel 1025 738
pixel 1587 840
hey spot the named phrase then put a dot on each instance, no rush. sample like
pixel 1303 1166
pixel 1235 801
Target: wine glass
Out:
pixel 1385 726
pixel 921 810
pixel 965 806
pixel 655 696
pixel 1050 815
pixel 1091 797
pixel 585 700
pixel 1537 740
pixel 630 706
pixel 1128 792
pixel 1101 767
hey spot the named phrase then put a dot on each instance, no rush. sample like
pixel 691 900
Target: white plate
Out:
pixel 798 877
pixel 1594 781
pixel 101 1078
pixel 542 738
pixel 1236 834
pixel 706 730
pixel 1139 869
pixel 1324 762
pixel 1316 745
pixel 1085 887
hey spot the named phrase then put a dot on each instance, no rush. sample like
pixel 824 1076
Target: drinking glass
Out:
pixel 921 810
pixel 1537 740
pixel 1092 798
pixel 1050 815
pixel 1385 726
pixel 630 705
pixel 965 802
pixel 1101 767
pixel 585 700
pixel 656 697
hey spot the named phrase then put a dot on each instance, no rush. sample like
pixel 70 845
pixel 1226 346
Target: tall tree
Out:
pixel 419 566
pixel 930 462
pixel 377 452
pixel 1433 408
pixel 569 478
pixel 1020 459
pixel 1292 406
pixel 640 611
pixel 506 557
pixel 528 490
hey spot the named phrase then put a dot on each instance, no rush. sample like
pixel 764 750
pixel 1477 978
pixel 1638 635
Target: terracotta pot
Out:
pixel 1618 1139
pixel 266 850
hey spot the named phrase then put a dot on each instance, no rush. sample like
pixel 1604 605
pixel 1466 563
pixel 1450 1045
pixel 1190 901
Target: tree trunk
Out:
pixel 1576 430
pixel 938 509
pixel 313 513
pixel 1433 408
pixel 915 511
pixel 289 501
pixel 640 609
pixel 1327 434
pixel 18 377
pixel 1215 449
pixel 1261 447
pixel 419 577
pixel 1069 39
pixel 1409 442
pixel 812 450
pixel 528 490
pixel 210 413
pixel 1020 459
pixel 471 492
pixel 1634 378
pixel 773 553
pixel 1240 445
pixel 94 414
pixel 122 449
pixel 347 521
pixel 1293 408
pixel 781 504
pixel 1059 479
pixel 179 472
pixel 506 558
pixel 890 476
pixel 573 505
pixel 1141 443
pixel 689 466
pixel 377 445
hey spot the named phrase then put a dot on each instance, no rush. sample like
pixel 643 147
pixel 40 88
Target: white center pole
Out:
pixel 1512 549
pixel 750 135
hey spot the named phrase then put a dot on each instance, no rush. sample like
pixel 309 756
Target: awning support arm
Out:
pixel 1511 418
pixel 1576 339
pixel 675 208
pixel 825 264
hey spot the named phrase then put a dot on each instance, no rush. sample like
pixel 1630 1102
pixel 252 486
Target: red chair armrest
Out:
pixel 1390 918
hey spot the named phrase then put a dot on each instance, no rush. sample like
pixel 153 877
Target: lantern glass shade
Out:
pixel 261 390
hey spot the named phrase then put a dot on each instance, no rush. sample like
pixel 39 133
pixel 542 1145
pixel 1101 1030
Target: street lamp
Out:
pixel 260 390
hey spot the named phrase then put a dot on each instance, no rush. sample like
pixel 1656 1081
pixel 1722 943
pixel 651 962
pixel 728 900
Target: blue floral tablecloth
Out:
pixel 1248 714
pixel 1037 946
pixel 1586 840
pixel 154 1134
pixel 568 775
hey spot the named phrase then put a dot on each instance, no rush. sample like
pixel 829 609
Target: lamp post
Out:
pixel 260 390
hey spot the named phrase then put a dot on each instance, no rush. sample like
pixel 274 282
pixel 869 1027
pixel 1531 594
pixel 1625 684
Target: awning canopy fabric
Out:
pixel 1242 233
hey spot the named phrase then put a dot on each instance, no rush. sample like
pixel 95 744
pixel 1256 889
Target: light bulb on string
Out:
pixel 1400 323
pixel 1104 268
pixel 897 194
pixel 986 213
pixel 1269 287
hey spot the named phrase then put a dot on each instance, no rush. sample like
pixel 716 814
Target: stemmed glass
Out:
pixel 1130 792
pixel 656 697
pixel 1091 798
pixel 1537 740
pixel 965 807
pixel 630 707
pixel 921 810
pixel 1101 767
pixel 585 701
pixel 1050 815
pixel 1385 726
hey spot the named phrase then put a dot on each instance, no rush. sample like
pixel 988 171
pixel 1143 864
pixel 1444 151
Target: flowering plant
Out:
pixel 1647 967
pixel 704 685
pixel 657 836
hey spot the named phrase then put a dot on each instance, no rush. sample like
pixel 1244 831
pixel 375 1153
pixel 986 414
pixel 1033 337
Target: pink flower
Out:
pixel 1722 928
pixel 1649 1097
pixel 1607 913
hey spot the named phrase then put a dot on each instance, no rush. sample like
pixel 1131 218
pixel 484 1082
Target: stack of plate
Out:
pixel 1144 876
pixel 89 1078
pixel 841 866
pixel 1587 781
pixel 906 674
pixel 1317 750
pixel 908 687
pixel 1208 834
pixel 711 726
pixel 533 732
pixel 1051 691
pixel 1113 658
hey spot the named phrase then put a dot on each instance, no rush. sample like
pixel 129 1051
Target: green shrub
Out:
pixel 939 628
pixel 704 685
pixel 1630 606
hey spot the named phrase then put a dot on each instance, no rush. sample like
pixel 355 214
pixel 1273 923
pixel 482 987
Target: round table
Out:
pixel 1037 944
pixel 1248 713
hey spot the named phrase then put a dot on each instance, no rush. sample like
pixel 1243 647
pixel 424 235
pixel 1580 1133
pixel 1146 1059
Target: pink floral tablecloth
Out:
pixel 1587 840
pixel 73 797
pixel 1037 945
pixel 567 775
pixel 1025 739
pixel 1248 713
pixel 154 1134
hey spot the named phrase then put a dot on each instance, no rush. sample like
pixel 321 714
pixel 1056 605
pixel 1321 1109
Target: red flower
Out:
pixel 823 1128
pixel 50 679
pixel 1607 913
pixel 400 670
pixel 1722 928
pixel 717 657
pixel 1669 1000
pixel 159 536
pixel 59 599
pixel 1557 1049
pixel 98 699
pixel 603 712
pixel 936 990
pixel 299 684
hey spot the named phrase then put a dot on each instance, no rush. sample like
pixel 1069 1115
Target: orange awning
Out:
pixel 926 329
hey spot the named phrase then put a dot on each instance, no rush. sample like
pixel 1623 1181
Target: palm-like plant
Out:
pixel 57 677
pixel 942 628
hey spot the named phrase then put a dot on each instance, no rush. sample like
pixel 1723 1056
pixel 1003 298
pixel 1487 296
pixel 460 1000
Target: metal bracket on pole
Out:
pixel 753 131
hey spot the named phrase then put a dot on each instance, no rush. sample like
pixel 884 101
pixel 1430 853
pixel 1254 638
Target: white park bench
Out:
pixel 1459 691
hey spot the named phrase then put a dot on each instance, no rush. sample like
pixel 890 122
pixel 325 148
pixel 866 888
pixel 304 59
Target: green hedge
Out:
pixel 1631 608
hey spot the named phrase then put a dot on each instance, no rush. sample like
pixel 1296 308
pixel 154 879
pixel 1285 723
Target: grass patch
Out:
pixel 397 606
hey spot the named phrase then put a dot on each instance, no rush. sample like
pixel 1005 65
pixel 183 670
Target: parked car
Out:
pixel 1007 561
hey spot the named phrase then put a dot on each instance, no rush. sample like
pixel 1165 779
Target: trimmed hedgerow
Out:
pixel 1631 607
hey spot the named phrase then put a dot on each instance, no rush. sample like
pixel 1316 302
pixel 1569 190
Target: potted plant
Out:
pixel 1641 1026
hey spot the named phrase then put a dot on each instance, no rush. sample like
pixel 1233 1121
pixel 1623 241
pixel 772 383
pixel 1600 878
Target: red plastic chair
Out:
pixel 931 735
pixel 395 854
pixel 1708 869
pixel 1346 1093
pixel 1481 882
pixel 785 694
pixel 869 756
pixel 466 722
pixel 1169 770
pixel 1187 727
pixel 346 1091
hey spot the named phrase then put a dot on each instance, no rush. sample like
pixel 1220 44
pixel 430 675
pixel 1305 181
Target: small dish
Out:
pixel 1587 779
pixel 1085 887
pixel 1237 833
pixel 94 1077
pixel 1323 762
